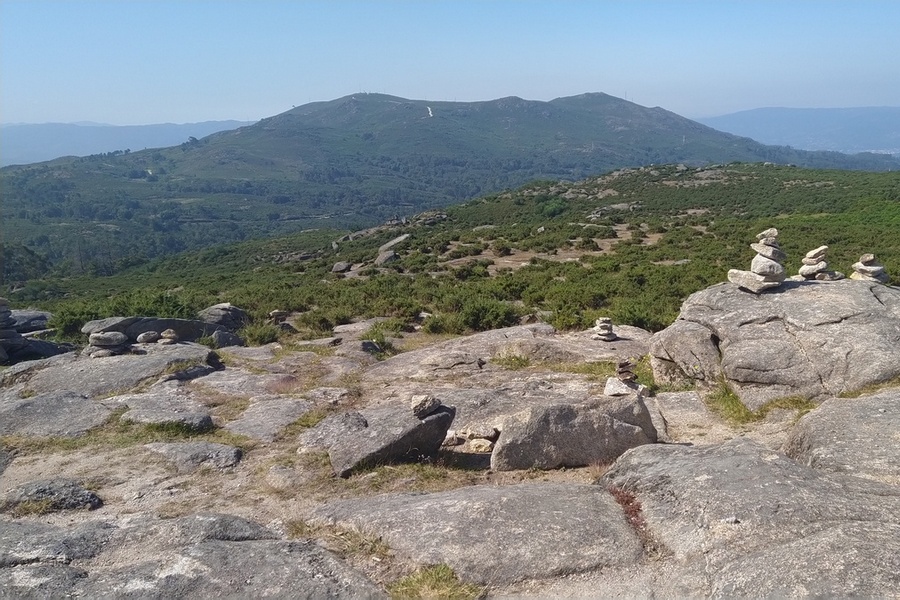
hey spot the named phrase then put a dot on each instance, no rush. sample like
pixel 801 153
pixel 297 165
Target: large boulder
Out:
pixel 756 523
pixel 813 338
pixel 572 435
pixel 374 436
pixel 498 534
pixel 856 436
pixel 225 315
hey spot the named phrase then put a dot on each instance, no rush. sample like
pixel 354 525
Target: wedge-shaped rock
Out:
pixel 856 436
pixel 498 534
pixel 759 524
pixel 376 436
pixel 572 435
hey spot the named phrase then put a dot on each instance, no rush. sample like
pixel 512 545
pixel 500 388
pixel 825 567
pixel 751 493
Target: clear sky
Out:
pixel 136 61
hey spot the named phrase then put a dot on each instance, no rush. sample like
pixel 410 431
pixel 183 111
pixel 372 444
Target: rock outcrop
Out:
pixel 815 339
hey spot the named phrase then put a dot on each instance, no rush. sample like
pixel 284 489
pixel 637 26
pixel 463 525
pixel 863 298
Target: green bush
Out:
pixel 482 314
pixel 259 334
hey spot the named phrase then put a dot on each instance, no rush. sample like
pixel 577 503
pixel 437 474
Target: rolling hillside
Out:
pixel 347 163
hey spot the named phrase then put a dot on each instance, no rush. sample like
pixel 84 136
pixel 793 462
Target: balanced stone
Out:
pixel 107 339
pixel 868 269
pixel 603 330
pixel 625 370
pixel 148 337
pixel 766 269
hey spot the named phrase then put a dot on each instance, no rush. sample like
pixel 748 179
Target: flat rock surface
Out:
pixel 163 405
pixel 50 414
pixel 814 339
pixel 870 448
pixel 52 494
pixel 267 416
pixel 189 456
pixel 198 556
pixel 488 534
pixel 737 511
pixel 103 376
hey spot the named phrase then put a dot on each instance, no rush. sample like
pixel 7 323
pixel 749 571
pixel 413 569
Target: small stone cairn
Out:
pixel 815 267
pixel 766 270
pixel 868 269
pixel 10 339
pixel 603 330
pixel 625 381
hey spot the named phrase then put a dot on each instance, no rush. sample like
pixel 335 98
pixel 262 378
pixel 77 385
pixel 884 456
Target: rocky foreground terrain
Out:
pixel 517 458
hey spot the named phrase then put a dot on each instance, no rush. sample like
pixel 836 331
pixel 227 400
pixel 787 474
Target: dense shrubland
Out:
pixel 668 231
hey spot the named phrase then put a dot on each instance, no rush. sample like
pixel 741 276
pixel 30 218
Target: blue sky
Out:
pixel 135 62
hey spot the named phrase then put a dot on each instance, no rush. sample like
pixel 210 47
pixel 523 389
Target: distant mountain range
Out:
pixel 348 163
pixel 850 130
pixel 24 143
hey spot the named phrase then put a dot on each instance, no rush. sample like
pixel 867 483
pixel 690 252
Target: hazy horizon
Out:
pixel 170 61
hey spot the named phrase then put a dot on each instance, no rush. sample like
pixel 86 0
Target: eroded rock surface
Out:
pixel 814 339
pixel 498 534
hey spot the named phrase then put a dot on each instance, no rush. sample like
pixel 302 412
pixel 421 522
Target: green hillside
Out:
pixel 348 163
pixel 631 245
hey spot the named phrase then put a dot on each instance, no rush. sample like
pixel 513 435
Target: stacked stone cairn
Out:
pixel 868 269
pixel 603 330
pixel 169 336
pixel 107 343
pixel 625 371
pixel 815 267
pixel 10 339
pixel 766 269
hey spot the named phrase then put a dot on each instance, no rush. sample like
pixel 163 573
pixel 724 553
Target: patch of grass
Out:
pixel 116 433
pixel 30 508
pixel 871 389
pixel 181 365
pixel 723 401
pixel 417 477
pixel 259 334
pixel 309 419
pixel 512 362
pixel 798 403
pixel 437 581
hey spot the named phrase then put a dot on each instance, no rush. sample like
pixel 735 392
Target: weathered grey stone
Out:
pixel 52 494
pixel 225 315
pixel 810 271
pixel 566 435
pixel 341 267
pixel 812 339
pixel 752 282
pixel 104 339
pixel 28 320
pixel 109 324
pixel 851 436
pixel 378 435
pixel 148 337
pixel 817 253
pixel 39 581
pixel 766 266
pixel 25 542
pixel 164 405
pixel 94 378
pixel 224 339
pixel 189 456
pixel 385 258
pixel 36 349
pixel 50 414
pixel 423 405
pixel 397 240
pixel 738 512
pixel 498 534
pixel 249 569
pixel 768 251
pixel 267 416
